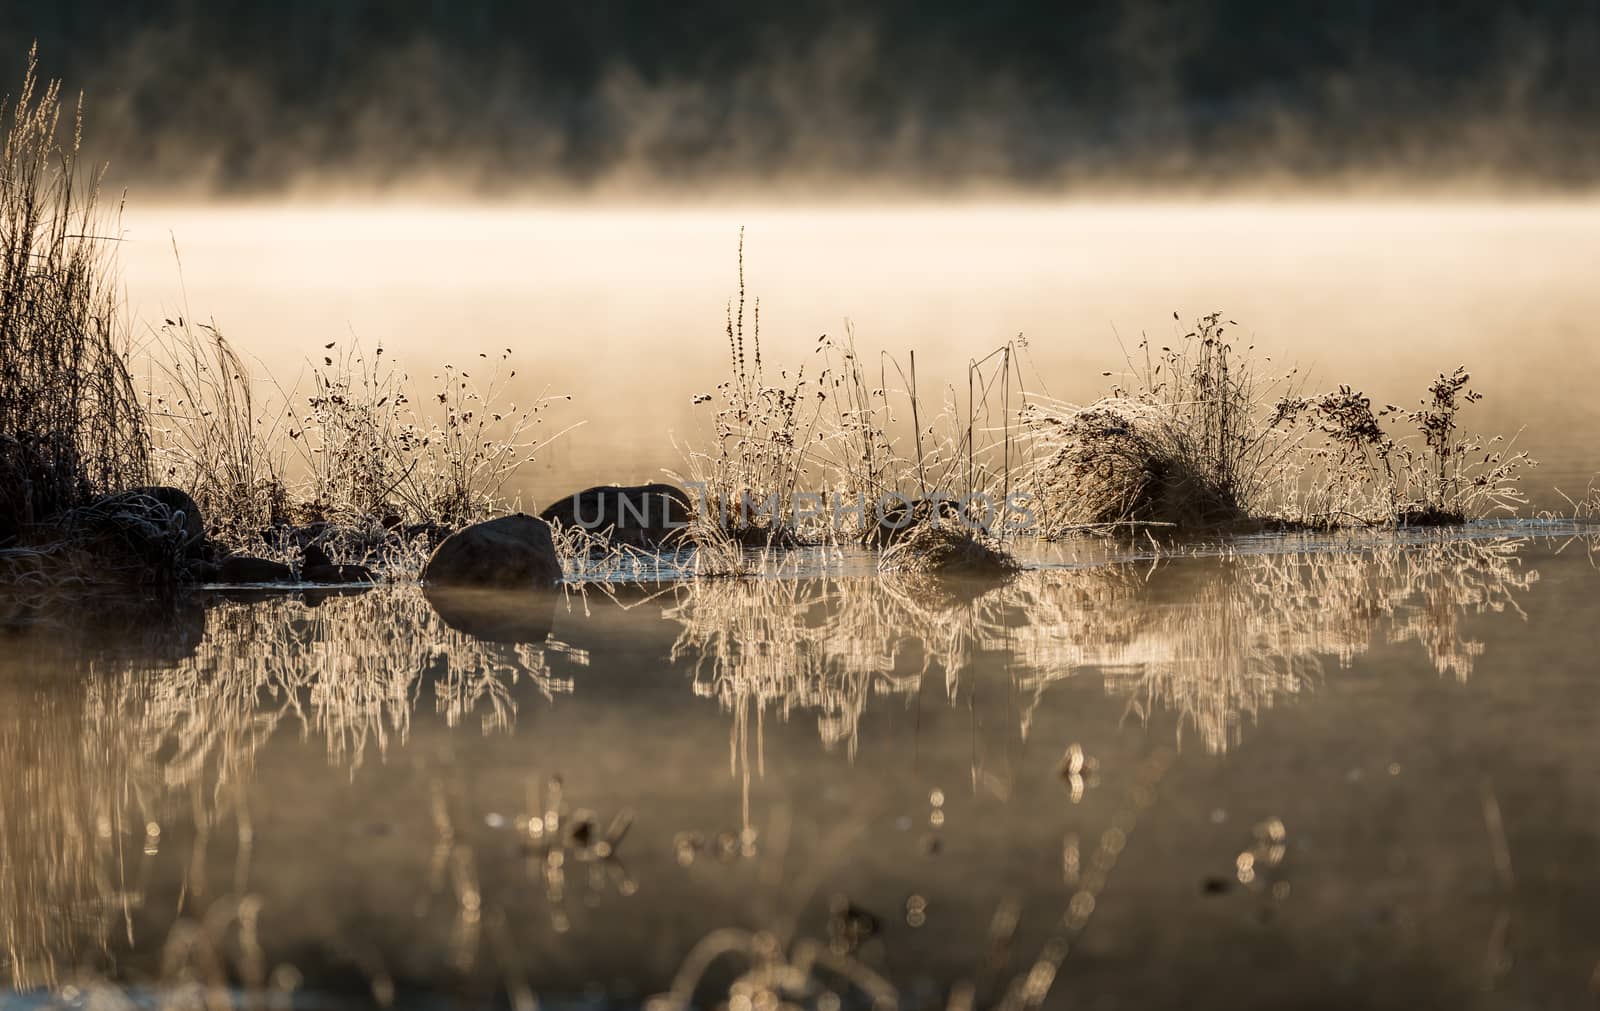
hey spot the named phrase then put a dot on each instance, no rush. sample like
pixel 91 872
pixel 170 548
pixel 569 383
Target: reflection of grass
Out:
pixel 348 670
pixel 91 767
pixel 88 764
pixel 1251 630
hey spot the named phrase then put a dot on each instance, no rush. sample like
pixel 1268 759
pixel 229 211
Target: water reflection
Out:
pixel 123 754
pixel 96 736
pixel 1217 641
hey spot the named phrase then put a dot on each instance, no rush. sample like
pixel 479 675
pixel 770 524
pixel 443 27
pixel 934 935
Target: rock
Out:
pixel 154 528
pixel 513 552
pixel 133 538
pixel 644 515
pixel 317 567
pixel 335 574
pixel 176 503
pixel 249 569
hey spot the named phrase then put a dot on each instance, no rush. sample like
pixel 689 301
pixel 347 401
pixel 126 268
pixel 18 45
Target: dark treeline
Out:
pixel 254 94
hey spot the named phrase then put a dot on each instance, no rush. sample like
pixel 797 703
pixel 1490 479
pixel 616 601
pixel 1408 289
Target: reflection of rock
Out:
pixel 643 515
pixel 512 552
pixel 495 615
pixel 137 631
pixel 314 596
pixel 120 714
pixel 146 631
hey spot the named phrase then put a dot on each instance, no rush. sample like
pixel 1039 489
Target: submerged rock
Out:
pixel 644 515
pixel 512 552
pixel 250 569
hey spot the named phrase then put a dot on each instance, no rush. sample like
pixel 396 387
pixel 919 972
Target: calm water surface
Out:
pixel 1294 774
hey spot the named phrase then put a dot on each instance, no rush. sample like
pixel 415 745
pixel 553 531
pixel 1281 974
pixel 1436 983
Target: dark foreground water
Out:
pixel 1304 775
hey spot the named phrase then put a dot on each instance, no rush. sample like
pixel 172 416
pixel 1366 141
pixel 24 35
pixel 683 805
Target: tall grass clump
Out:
pixel 748 478
pixel 857 452
pixel 1203 439
pixel 1199 437
pixel 917 459
pixel 366 451
pixel 71 426
pixel 217 432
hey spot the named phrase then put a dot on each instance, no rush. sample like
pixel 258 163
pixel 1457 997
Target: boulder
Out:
pixel 317 567
pixel 146 533
pixel 512 552
pixel 140 537
pixel 249 569
pixel 643 515
pixel 157 503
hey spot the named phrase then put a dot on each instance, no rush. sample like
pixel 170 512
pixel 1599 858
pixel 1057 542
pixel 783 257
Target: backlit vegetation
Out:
pixel 366 449
pixel 1201 438
pixel 70 424
pixel 1197 435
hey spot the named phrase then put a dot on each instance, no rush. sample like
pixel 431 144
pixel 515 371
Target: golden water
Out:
pixel 1361 770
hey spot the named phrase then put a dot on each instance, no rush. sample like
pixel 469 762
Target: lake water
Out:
pixel 1350 772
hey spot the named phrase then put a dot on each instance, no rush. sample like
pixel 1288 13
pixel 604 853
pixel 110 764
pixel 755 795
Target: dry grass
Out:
pixel 949 547
pixel 1203 439
pixel 959 457
pixel 758 460
pixel 70 423
pixel 218 434
pixel 1198 439
pixel 857 452
pixel 857 449
pixel 1369 470
pixel 366 451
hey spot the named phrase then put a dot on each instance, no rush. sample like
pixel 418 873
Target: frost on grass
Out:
pixel 948 547
pixel 1200 437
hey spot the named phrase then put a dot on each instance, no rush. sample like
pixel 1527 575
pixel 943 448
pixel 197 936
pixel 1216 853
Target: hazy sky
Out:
pixel 263 95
